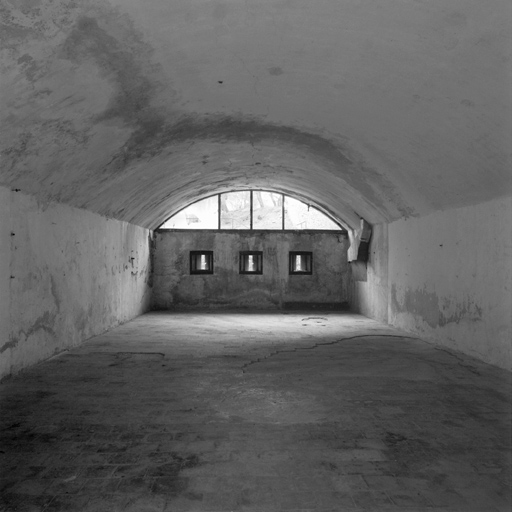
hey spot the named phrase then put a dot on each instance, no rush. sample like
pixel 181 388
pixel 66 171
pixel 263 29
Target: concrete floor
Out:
pixel 256 412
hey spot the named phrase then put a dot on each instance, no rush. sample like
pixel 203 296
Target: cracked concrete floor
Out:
pixel 256 412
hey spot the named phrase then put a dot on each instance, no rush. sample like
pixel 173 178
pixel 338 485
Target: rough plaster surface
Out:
pixel 73 274
pixel 450 279
pixel 174 286
pixel 5 264
pixel 371 296
pixel 123 107
pixel 134 109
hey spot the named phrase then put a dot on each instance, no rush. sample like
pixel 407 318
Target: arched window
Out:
pixel 252 210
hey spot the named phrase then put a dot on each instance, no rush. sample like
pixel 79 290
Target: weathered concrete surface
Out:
pixel 257 412
pixel 72 275
pixel 173 286
pixel 5 267
pixel 134 109
pixel 370 297
pixel 449 279
pixel 123 107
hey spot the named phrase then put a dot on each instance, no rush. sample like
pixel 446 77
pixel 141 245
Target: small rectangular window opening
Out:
pixel 201 262
pixel 301 262
pixel 251 262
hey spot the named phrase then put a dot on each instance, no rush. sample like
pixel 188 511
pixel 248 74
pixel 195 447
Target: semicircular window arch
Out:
pixel 251 210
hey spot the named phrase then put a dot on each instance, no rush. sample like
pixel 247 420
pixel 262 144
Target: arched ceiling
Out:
pixel 379 110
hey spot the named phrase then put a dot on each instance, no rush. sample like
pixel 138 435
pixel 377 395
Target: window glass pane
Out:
pixel 200 215
pixel 301 262
pixel 251 262
pixel 250 266
pixel 267 210
pixel 201 262
pixel 235 213
pixel 299 215
pixel 235 210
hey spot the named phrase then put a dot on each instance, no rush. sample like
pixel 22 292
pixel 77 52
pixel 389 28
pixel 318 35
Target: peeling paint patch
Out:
pixel 419 302
pixel 452 312
pixel 431 310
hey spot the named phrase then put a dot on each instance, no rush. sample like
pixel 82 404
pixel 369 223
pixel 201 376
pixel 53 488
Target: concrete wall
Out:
pixel 5 278
pixel 370 298
pixel 449 278
pixel 65 275
pixel 175 287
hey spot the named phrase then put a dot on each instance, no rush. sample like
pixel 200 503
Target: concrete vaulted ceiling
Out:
pixel 379 110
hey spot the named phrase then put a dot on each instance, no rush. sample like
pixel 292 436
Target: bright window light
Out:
pixel 251 210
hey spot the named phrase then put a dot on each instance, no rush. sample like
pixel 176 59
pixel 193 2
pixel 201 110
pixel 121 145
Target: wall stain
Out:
pixel 44 323
pixel 126 63
pixel 122 63
pixel 155 136
pixel 29 66
pixel 175 287
pixel 95 32
pixel 9 345
pixel 275 71
pixel 55 295
pixel 428 306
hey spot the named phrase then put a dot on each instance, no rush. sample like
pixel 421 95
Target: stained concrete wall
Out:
pixel 371 296
pixel 66 275
pixel 5 274
pixel 449 279
pixel 275 288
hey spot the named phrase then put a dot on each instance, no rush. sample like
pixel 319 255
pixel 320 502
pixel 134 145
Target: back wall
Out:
pixel 173 286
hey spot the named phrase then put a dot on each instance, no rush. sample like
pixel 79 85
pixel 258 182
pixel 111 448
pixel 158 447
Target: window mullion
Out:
pixel 251 212
pixel 218 212
pixel 282 211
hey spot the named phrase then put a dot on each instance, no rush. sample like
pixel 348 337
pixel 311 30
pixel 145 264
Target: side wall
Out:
pixel 5 279
pixel 449 279
pixel 175 287
pixel 72 274
pixel 371 296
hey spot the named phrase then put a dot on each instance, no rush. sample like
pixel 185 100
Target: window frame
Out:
pixel 340 228
pixel 259 262
pixel 292 258
pixel 193 262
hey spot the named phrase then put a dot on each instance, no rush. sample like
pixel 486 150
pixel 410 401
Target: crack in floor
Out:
pixel 272 354
pixel 461 361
